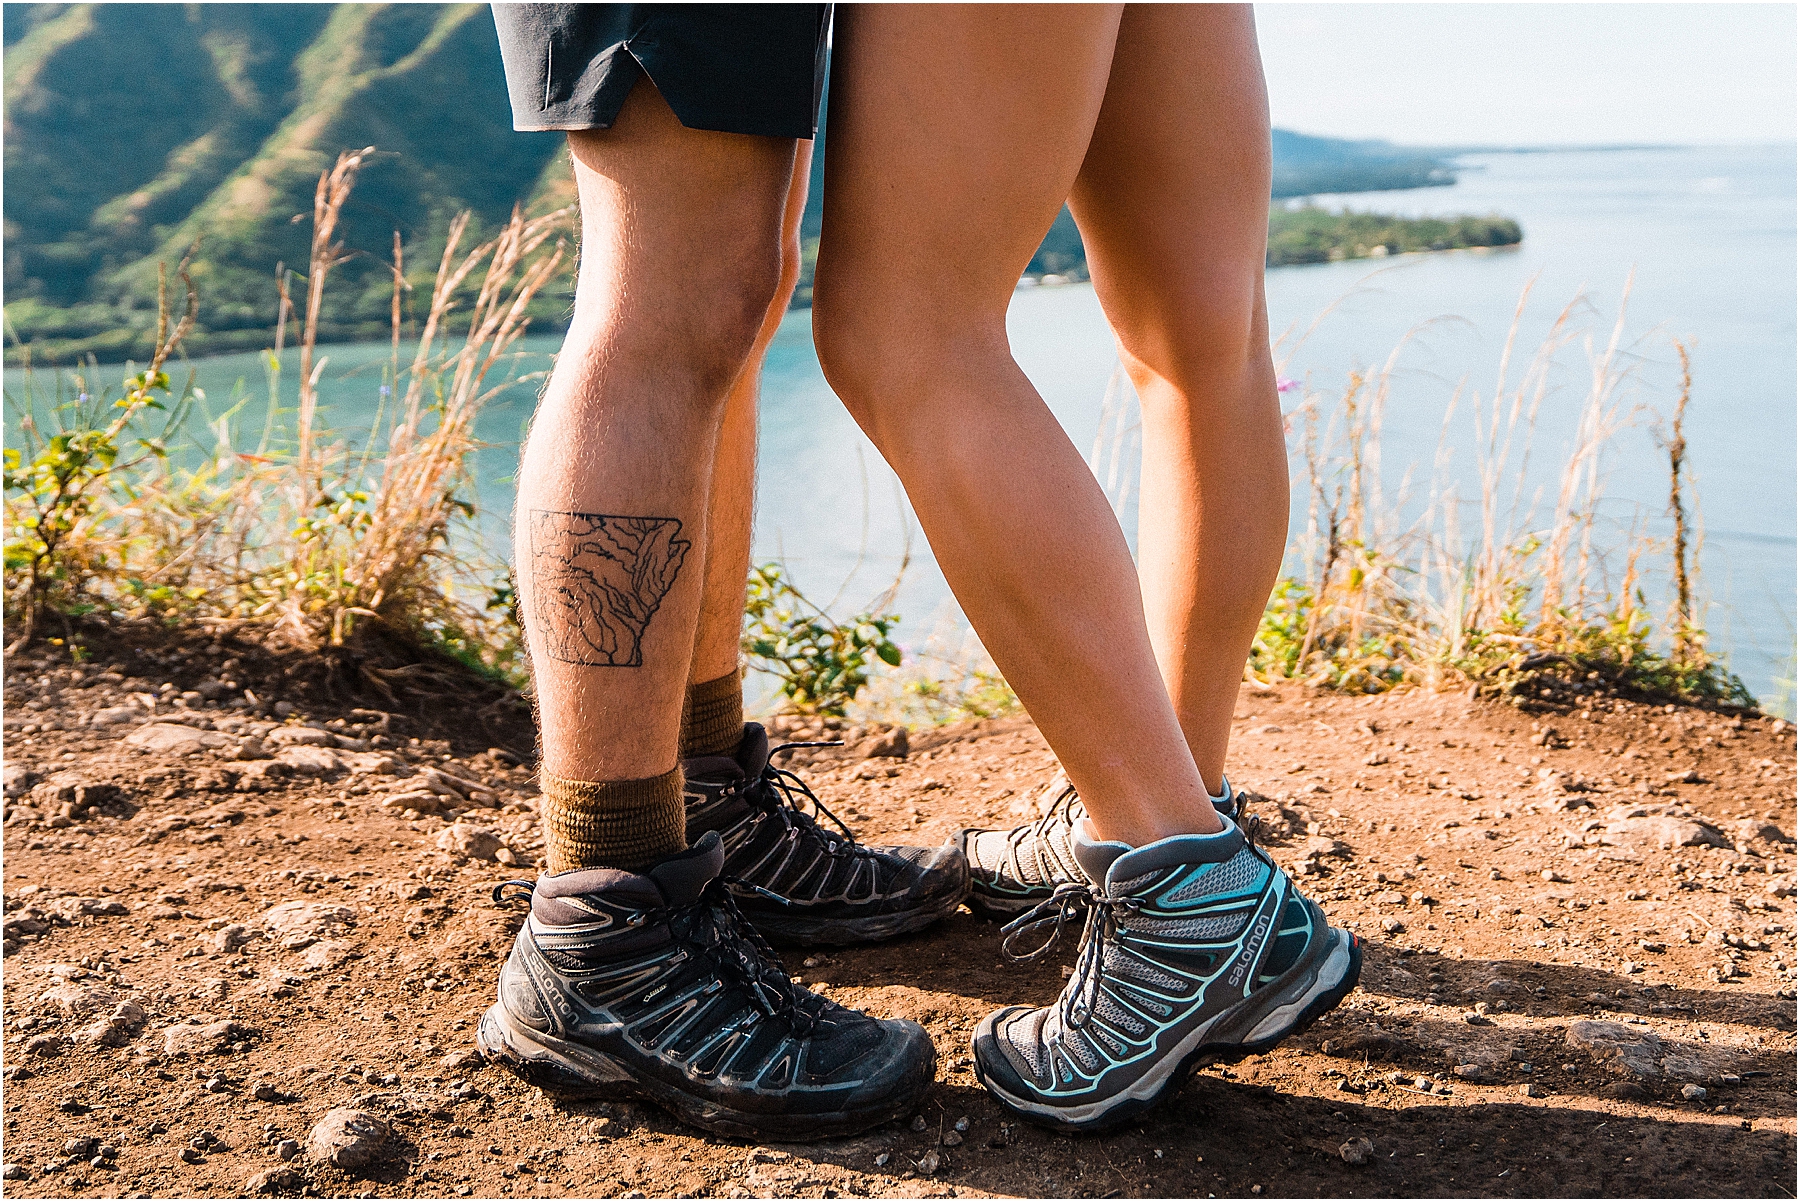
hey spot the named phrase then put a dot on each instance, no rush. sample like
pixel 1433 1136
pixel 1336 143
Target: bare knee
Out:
pixel 1200 333
pixel 690 321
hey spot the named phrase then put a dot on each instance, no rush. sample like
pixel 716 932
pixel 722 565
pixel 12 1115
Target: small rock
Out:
pixel 281 1180
pixel 263 1091
pixel 82 1146
pixel 116 1029
pixel 1393 926
pixel 193 1155
pixel 43 1045
pixel 1625 1091
pixel 1666 831
pixel 115 715
pixel 298 918
pixel 919 1123
pixel 166 738
pixel 1356 1151
pixel 962 1124
pixel 1693 1093
pixel 348 1138
pixel 287 1149
pixel 462 1058
pixel 952 1138
pixel 77 1002
pixel 205 1039
pixel 881 1160
pixel 310 761
pixel 1532 1090
pixel 890 745
pixel 1473 1072
pixel 18 779
pixel 1624 1050
pixel 928 1163
pixel 329 953
pixel 12 1172
pixel 470 842
pixel 230 938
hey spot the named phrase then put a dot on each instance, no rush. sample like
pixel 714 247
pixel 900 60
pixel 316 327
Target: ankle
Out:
pixel 712 717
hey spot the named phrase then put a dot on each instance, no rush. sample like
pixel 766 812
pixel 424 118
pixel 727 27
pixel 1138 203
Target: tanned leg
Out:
pixel 952 147
pixel 680 262
pixel 1173 205
pixel 714 674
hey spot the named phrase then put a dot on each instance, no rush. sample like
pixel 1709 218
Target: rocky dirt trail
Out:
pixel 248 932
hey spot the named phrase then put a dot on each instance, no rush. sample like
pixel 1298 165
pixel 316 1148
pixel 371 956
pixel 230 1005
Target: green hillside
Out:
pixel 131 130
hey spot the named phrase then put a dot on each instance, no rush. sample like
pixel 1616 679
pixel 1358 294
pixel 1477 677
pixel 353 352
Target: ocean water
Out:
pixel 1706 238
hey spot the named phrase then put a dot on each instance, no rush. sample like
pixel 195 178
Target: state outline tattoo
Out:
pixel 598 579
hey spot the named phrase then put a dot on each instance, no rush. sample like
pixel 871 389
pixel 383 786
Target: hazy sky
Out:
pixel 1532 72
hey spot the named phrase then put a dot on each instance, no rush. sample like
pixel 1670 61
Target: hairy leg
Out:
pixel 951 150
pixel 1173 205
pixel 680 260
pixel 733 500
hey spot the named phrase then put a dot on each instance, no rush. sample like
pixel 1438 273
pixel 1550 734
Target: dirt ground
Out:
pixel 1579 977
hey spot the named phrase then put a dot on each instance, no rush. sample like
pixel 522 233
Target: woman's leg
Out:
pixel 1173 205
pixel 953 143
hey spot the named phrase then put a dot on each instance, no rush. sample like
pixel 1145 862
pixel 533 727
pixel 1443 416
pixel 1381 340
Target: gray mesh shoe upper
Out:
pixel 1191 947
pixel 1013 870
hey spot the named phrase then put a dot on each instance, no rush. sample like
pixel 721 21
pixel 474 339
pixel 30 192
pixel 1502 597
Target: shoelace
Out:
pixel 1099 930
pixel 782 794
pixel 715 930
pixel 1036 837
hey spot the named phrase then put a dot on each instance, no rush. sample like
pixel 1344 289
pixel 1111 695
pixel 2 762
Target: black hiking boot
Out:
pixel 799 882
pixel 654 987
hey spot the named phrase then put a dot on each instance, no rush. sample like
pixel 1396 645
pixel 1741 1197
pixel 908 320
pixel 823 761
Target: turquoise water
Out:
pixel 1709 232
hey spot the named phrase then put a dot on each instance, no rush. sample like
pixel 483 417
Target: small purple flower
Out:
pixel 1283 384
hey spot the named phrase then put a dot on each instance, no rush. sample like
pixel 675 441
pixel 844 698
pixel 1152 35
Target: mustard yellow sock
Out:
pixel 712 720
pixel 627 824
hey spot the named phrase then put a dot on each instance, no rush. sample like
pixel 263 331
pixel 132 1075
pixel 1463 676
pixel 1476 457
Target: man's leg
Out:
pixel 713 719
pixel 680 260
pixel 1173 204
pixel 951 150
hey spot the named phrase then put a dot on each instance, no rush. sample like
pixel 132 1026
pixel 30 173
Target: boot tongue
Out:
pixel 746 763
pixel 683 875
pixel 1094 856
pixel 753 752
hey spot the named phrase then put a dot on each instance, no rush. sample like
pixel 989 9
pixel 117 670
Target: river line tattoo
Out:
pixel 597 580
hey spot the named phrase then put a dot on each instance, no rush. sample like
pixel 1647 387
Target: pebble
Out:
pixel 1627 1091
pixel 928 1163
pixel 1693 1093
pixel 1392 926
pixel 1356 1151
pixel 880 1160
pixel 193 1155
pixel 287 1149
pixel 962 1124
pixel 263 1091
pixel 470 842
pixel 12 1172
pixel 918 1123
pixel 277 1180
pixel 204 1039
pixel 1533 1090
pixel 348 1138
pixel 462 1058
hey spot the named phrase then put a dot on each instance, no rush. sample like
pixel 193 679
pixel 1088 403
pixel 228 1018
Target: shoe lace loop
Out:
pixel 499 891
pixel 1034 839
pixel 1099 930
pixel 785 796
pixel 714 929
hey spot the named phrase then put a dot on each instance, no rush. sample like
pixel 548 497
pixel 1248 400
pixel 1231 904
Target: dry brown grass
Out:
pixel 305 531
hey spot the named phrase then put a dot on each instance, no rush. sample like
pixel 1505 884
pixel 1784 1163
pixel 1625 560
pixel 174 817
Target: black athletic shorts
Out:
pixel 734 68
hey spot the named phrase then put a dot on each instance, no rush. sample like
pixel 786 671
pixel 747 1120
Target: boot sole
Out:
pixel 1260 1028
pixel 575 1071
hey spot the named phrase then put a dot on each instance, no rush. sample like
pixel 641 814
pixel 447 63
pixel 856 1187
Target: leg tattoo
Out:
pixel 597 580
